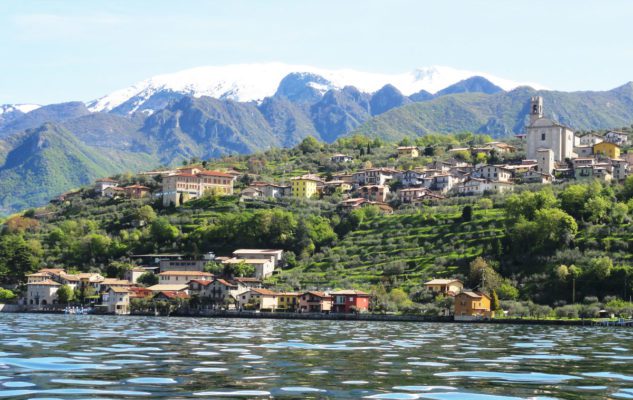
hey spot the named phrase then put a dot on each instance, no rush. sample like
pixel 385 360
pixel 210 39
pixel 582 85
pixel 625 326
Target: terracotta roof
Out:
pixel 114 281
pixel 201 282
pixel 47 282
pixel 317 294
pixel 39 274
pixel 474 295
pixel 350 293
pixel 139 291
pixel 225 283
pixel 54 271
pixel 441 281
pixel 185 273
pixel 265 292
pixel 173 294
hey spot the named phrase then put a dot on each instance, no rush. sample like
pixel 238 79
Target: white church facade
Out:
pixel 543 133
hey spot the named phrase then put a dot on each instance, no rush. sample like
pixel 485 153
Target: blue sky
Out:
pixel 53 51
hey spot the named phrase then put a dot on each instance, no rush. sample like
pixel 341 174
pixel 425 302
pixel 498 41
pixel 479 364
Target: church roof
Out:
pixel 546 122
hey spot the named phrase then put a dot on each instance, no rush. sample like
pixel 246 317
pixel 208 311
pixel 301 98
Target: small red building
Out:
pixel 348 301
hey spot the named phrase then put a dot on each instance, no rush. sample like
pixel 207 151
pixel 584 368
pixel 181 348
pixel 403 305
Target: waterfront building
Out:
pixel 258 299
pixel 314 301
pixel 42 293
pixel 472 304
pixel 349 301
pixel 117 300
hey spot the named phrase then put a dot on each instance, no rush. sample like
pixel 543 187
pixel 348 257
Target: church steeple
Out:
pixel 536 108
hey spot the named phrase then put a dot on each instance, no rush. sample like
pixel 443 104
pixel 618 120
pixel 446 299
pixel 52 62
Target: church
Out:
pixel 544 134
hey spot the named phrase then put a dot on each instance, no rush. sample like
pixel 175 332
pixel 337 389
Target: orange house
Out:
pixel 472 304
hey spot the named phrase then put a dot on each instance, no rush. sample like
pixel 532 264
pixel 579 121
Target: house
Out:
pixel 252 193
pixel 271 190
pixel 102 184
pixel 37 277
pixel 133 274
pixel 117 300
pixel 137 191
pixel 532 176
pixel 374 176
pixel 264 267
pixel 352 204
pixel 107 283
pixel 412 178
pixel 493 173
pixel 350 301
pixel 113 192
pixel 169 288
pixel 584 150
pixel 341 158
pixel 409 195
pixel 247 282
pixel 616 137
pixel 182 277
pixel 275 255
pixel 218 292
pixel 543 133
pixel 590 139
pixel 501 147
pixel 314 301
pixel 408 152
pixel 620 169
pixel 472 304
pixel 478 186
pixel 332 186
pixel 178 264
pixel 449 287
pixel 42 293
pixel 193 182
pixel 441 182
pixel 374 192
pixel 607 149
pixel 305 186
pixel 288 301
pixel 258 299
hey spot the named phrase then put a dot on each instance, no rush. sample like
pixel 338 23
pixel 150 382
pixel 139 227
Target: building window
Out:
pixel 542 136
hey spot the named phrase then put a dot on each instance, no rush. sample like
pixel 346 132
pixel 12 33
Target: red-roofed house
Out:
pixel 349 301
pixel 171 295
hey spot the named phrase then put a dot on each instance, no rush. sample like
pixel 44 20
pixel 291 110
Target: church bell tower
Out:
pixel 536 108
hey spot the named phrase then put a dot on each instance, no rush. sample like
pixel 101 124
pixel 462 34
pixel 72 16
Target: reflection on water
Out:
pixel 81 357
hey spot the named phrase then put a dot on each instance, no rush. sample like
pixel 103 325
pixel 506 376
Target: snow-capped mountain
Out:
pixel 254 82
pixel 24 108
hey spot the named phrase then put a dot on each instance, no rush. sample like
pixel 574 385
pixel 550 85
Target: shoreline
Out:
pixel 344 317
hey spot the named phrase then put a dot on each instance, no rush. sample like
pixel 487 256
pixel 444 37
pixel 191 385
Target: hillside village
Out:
pixel 548 153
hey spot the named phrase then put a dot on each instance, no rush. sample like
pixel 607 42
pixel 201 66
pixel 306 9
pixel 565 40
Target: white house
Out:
pixel 264 267
pixel 341 158
pixel 117 299
pixel 616 137
pixel 493 173
pixel 102 184
pixel 258 299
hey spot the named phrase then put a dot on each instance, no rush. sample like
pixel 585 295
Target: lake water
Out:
pixel 107 357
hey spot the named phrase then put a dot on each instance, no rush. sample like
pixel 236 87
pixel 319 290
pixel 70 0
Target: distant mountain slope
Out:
pixel 504 113
pixel 48 160
pixel 50 113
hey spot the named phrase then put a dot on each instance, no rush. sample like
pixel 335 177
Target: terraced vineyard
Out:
pixel 408 247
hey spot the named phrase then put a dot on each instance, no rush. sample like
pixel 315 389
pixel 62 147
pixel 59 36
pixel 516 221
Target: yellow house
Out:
pixel 472 304
pixel 408 151
pixel 305 186
pixel 608 149
pixel 288 301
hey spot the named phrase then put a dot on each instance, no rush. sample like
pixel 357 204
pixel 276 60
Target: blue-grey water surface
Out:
pixel 107 357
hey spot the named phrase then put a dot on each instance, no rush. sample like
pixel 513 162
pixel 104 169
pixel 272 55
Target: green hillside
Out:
pixel 503 113
pixel 49 160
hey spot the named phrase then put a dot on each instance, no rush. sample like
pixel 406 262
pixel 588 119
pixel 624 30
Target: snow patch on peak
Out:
pixel 25 108
pixel 254 82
